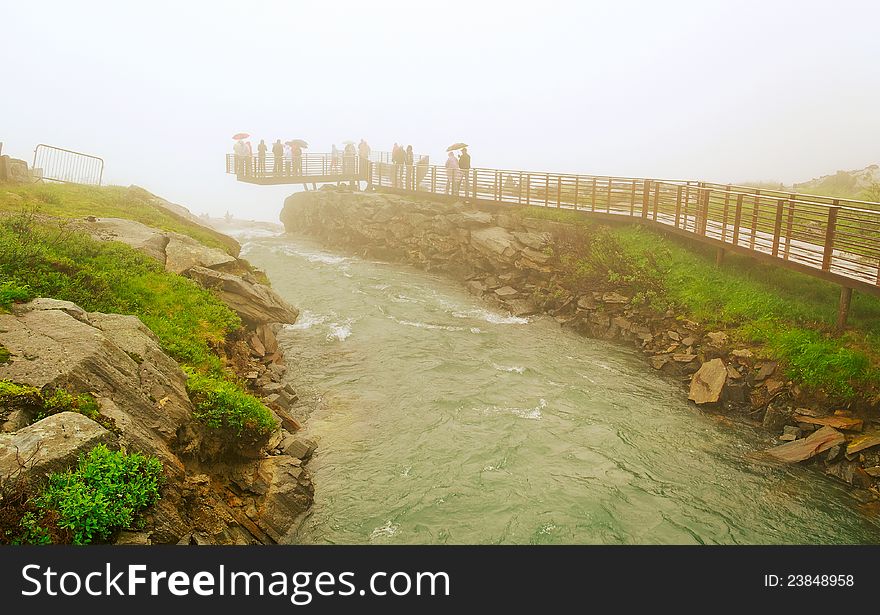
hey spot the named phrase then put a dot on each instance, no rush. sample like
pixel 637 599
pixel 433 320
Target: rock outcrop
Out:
pixel 175 251
pixel 256 304
pixel 50 445
pixel 708 382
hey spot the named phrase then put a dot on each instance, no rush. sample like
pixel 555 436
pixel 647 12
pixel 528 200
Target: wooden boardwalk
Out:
pixel 833 239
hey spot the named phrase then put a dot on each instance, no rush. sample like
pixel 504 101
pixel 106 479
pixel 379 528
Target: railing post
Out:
pixel 434 179
pixel 495 190
pixel 724 214
pixel 632 199
pixel 608 204
pixel 777 227
pixel 576 187
pixel 519 192
pixel 704 213
pixel 788 228
pixel 593 198
pixel 677 205
pixel 754 228
pixel 830 231
pixel 656 199
pixel 737 218
pixel 559 191
pixel 646 195
pixel 687 205
pixel 546 190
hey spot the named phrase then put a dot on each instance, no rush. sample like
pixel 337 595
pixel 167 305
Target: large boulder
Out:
pixel 708 382
pixel 255 303
pixel 286 491
pixel 115 358
pixel 52 444
pixel 175 251
pixel 495 242
pixel 800 450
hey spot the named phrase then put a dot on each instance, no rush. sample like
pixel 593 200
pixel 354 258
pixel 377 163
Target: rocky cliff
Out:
pixel 214 493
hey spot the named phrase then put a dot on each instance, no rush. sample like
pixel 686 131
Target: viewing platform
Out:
pixel 308 169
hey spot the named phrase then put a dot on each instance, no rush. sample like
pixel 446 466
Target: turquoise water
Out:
pixel 442 420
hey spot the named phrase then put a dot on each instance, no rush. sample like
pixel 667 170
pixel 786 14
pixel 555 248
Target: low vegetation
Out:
pixel 104 493
pixel 41 256
pixel 788 315
pixel 75 201
pixel 222 404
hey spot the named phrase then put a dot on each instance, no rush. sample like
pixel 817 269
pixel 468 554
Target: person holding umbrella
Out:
pixel 452 174
pixel 348 157
pixel 240 152
pixel 458 166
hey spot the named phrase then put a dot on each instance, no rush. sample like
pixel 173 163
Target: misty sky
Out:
pixel 722 91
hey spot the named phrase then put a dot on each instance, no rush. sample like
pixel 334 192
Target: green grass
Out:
pixel 103 494
pixel 789 315
pixel 46 260
pixel 75 201
pixel 42 260
pixel 221 404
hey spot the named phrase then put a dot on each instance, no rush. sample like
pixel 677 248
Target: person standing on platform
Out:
pixel 278 154
pixel 452 174
pixel 464 164
pixel 261 157
pixel 363 156
pixel 296 159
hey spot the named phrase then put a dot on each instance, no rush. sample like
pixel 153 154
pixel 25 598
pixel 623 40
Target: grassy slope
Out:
pixel 39 257
pixel 790 315
pixel 73 201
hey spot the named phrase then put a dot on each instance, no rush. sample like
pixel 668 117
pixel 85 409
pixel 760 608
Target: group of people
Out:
pixel 287 159
pixel 403 161
pixel 458 173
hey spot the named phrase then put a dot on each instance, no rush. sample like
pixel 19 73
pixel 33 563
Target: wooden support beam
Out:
pixel 843 307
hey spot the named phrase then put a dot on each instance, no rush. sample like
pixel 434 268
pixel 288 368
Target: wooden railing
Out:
pixel 307 165
pixel 835 239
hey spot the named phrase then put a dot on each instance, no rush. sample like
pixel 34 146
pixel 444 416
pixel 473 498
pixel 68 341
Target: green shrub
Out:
pixel 222 404
pixel 12 291
pixel 14 396
pixel 103 494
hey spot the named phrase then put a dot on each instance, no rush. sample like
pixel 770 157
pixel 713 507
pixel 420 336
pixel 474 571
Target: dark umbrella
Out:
pixel 456 146
pixel 299 142
pixel 240 136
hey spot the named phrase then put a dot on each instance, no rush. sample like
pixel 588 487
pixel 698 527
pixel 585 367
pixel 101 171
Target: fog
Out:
pixel 722 91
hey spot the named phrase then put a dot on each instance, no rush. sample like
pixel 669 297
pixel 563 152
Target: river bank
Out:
pixel 516 262
pixel 150 341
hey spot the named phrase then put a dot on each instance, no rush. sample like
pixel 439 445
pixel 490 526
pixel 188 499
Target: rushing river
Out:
pixel 441 420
